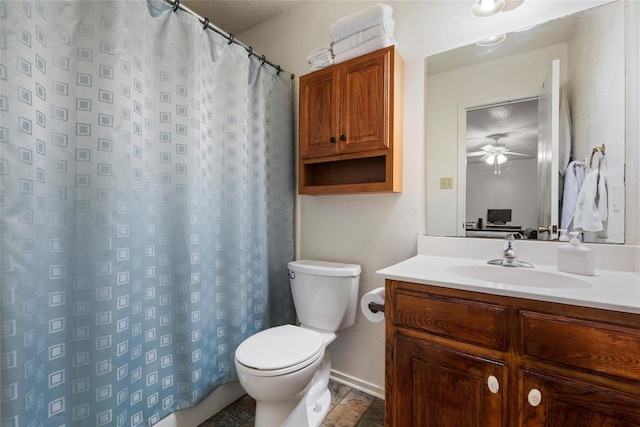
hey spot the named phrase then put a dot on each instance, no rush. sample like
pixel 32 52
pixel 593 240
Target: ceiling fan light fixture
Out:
pixel 493 40
pixel 501 158
pixel 484 8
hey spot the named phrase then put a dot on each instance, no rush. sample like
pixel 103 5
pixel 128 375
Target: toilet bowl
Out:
pixel 276 369
pixel 286 368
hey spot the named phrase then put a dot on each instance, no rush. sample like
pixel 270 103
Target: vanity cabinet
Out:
pixel 350 126
pixel 461 358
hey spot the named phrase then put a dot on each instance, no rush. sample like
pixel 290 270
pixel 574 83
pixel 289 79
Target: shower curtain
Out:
pixel 146 201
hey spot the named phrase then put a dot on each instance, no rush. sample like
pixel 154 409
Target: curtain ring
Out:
pixel 176 5
pixel 279 69
pixel 263 59
pixel 250 50
pixel 205 23
pixel 230 39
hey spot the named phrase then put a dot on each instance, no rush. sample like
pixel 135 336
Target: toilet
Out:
pixel 286 368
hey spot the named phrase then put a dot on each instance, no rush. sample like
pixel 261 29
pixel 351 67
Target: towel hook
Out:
pixel 176 5
pixel 595 150
pixel 205 24
pixel 230 39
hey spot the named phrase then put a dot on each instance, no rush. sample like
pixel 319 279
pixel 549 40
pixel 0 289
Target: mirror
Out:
pixel 510 141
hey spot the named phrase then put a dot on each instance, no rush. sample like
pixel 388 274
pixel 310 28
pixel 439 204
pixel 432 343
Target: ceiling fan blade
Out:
pixel 476 153
pixel 488 148
pixel 513 153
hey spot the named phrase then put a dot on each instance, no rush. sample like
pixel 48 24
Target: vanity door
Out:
pixel 441 387
pixel 552 401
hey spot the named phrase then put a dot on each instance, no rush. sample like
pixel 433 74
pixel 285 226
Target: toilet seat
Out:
pixel 280 350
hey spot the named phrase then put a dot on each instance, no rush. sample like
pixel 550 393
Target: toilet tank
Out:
pixel 325 294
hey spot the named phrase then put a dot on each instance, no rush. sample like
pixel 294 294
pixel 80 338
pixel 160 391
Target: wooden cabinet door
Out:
pixel 319 110
pixel 552 401
pixel 439 387
pixel 365 103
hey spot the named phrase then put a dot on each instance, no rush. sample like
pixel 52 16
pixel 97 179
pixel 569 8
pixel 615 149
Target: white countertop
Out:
pixel 608 289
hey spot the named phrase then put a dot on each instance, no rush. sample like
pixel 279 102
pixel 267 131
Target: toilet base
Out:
pixel 316 411
pixel 308 410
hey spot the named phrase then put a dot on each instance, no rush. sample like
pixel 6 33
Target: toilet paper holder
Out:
pixel 374 307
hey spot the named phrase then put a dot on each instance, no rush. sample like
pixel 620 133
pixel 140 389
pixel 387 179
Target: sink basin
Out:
pixel 518 276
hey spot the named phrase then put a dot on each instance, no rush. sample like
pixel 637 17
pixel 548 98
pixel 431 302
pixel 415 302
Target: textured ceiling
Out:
pixel 236 16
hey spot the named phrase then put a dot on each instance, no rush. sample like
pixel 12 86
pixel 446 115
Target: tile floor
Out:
pixel 349 408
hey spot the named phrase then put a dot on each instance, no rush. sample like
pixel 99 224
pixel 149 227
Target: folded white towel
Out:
pixel 320 56
pixel 573 179
pixel 367 47
pixel 591 207
pixel 317 67
pixel 321 50
pixel 348 25
pixel 364 36
pixel 321 63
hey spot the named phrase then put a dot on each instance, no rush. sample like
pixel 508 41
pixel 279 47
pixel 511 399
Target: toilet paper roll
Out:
pixel 375 296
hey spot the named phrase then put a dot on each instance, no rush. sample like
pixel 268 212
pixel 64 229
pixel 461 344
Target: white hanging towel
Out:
pixel 591 207
pixel 367 47
pixel 573 179
pixel 359 21
pixel 361 37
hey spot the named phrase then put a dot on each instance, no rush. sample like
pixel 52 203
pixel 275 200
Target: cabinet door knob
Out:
pixel 332 140
pixel 534 397
pixel 493 384
pixel 343 138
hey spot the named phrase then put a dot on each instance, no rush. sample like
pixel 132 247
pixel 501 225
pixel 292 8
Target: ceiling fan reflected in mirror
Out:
pixel 495 154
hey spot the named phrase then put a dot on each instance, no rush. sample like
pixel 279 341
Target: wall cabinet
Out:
pixel 460 358
pixel 350 126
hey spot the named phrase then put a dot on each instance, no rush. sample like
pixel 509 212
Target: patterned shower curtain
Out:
pixel 146 204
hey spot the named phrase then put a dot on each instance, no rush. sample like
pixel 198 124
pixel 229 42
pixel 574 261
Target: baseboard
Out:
pixel 358 384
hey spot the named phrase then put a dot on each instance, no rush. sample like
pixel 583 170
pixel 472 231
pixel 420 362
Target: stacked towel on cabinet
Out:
pixel 363 32
pixel 320 57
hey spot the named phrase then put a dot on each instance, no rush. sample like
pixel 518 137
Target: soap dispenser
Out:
pixel 575 258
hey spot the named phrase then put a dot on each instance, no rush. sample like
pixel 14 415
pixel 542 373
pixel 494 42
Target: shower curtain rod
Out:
pixel 207 24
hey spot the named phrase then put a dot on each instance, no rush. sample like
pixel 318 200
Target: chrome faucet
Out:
pixel 509 258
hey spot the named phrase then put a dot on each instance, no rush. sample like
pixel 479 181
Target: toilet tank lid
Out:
pixel 324 268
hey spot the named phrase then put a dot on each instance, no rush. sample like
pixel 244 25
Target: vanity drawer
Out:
pixel 593 346
pixel 457 319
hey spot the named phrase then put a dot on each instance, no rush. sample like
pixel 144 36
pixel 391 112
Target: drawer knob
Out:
pixel 493 384
pixel 534 397
pixel 332 139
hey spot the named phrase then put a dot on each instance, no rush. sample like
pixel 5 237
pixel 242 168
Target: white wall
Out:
pixel 596 60
pixel 378 230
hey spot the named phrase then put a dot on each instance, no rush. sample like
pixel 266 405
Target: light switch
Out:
pixel 446 183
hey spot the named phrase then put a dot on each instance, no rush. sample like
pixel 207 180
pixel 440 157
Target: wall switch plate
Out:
pixel 446 183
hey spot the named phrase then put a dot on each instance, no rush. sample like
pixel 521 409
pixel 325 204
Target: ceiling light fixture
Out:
pixel 493 40
pixel 484 8
pixel 496 158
